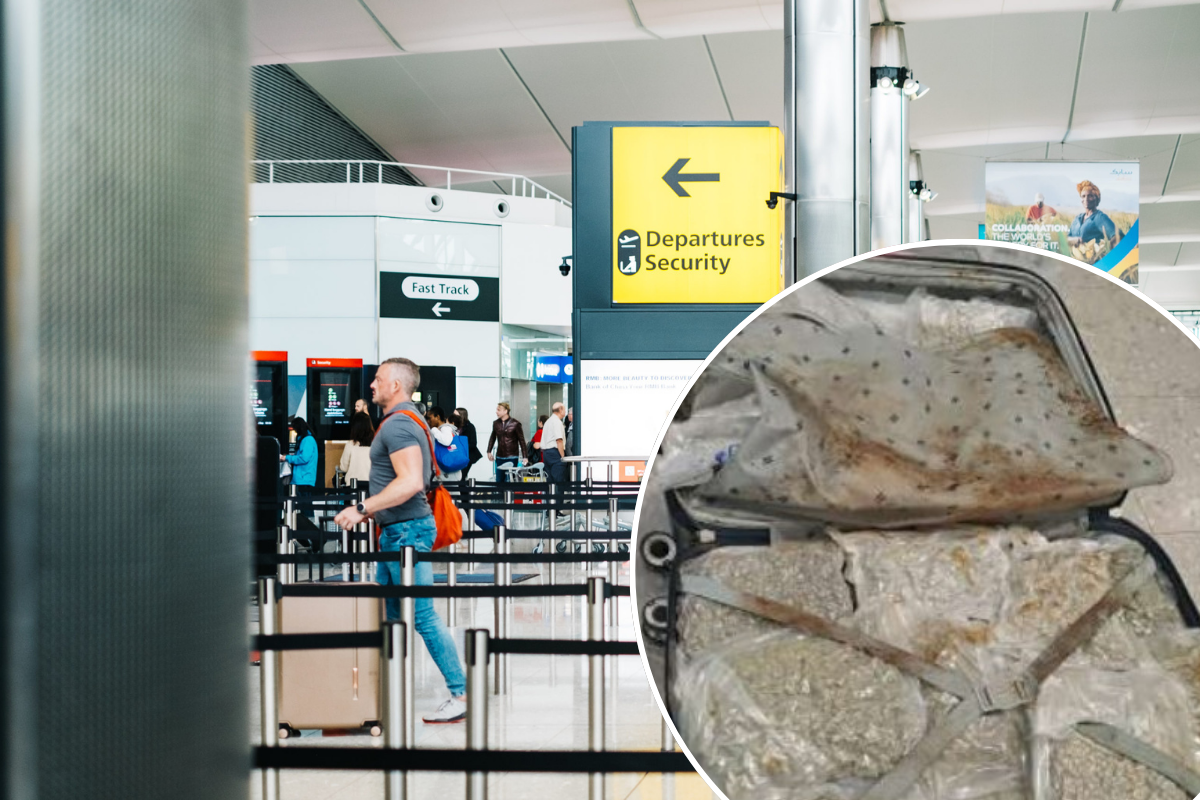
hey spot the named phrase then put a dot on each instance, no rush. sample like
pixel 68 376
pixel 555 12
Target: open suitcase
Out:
pixel 811 640
pixel 329 689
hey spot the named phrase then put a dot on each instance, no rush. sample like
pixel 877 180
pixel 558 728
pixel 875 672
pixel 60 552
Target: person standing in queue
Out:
pixel 554 443
pixel 401 472
pixel 508 438
pixel 467 428
pixel 304 460
pixel 356 458
pixel 443 431
pixel 535 444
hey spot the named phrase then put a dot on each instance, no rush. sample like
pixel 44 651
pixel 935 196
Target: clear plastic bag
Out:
pixel 777 714
pixel 858 427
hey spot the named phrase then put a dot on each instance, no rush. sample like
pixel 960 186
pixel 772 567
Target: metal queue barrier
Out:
pixel 395 640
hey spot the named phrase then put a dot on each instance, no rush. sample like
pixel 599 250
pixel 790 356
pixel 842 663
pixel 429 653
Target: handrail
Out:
pixel 528 187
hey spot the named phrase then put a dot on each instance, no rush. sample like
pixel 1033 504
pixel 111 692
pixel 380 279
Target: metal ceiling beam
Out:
pixel 717 75
pixel 536 102
pixel 1078 69
pixel 382 28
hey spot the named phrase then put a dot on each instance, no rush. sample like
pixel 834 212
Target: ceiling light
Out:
pixel 927 194
pixel 911 86
pixel 885 83
pixel 921 91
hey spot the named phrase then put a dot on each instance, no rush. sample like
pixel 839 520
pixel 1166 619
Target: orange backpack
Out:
pixel 445 513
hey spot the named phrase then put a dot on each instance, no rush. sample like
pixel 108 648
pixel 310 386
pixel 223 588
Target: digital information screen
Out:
pixel 262 396
pixel 335 395
pixel 625 403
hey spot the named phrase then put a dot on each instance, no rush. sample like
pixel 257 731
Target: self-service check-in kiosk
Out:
pixel 268 394
pixel 334 386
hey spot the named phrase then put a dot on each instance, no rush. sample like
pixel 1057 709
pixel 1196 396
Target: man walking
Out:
pixel 401 469
pixel 554 443
pixel 509 440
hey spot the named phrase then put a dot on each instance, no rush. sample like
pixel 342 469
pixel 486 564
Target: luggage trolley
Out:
pixel 692 527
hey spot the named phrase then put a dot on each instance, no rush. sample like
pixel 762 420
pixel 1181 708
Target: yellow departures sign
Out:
pixel 690 218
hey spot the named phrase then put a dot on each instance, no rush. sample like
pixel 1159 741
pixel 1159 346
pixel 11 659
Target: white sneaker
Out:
pixel 453 710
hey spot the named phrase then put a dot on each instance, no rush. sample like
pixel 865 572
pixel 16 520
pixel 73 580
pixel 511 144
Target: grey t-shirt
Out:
pixel 397 433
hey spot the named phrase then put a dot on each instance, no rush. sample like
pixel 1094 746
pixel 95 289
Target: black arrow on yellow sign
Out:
pixel 674 178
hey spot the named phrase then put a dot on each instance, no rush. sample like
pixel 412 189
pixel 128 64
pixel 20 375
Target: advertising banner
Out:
pixel 1087 210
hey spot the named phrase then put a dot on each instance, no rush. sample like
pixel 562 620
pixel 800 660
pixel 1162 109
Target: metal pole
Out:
pixel 916 206
pixel 292 567
pixel 587 515
pixel 829 48
pixel 281 547
pixel 470 519
pixel 346 573
pixel 395 655
pixel 551 544
pixel 408 575
pixel 452 580
pixel 477 706
pixel 595 628
pixel 668 746
pixel 612 565
pixel 889 137
pixel 268 676
pixel 500 605
pixel 508 516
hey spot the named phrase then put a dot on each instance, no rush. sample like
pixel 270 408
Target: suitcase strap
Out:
pixel 978 698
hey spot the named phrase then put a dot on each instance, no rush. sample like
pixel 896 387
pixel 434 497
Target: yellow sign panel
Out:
pixel 690 218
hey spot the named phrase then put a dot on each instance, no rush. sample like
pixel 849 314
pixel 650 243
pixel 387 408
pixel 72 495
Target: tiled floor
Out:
pixel 1151 372
pixel 544 708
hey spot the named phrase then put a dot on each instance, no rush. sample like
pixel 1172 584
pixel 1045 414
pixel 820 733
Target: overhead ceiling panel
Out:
pixel 957 175
pixel 464 110
pixel 751 70
pixel 1137 74
pixel 993 80
pixel 1158 255
pixel 1185 174
pixel 1170 221
pixel 636 81
pixel 477 24
pixel 314 30
pixel 674 18
pixel 1152 152
pixel 1189 254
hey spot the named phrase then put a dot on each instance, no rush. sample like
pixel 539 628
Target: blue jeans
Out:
pixel 420 533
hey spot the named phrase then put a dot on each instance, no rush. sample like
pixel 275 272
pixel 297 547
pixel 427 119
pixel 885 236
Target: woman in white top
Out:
pixel 443 433
pixel 356 458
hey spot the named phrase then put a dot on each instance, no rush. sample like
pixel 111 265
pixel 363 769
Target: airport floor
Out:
pixel 544 708
pixel 1151 372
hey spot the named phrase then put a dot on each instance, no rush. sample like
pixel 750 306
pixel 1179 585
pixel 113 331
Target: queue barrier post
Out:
pixel 268 676
pixel 477 706
pixel 551 544
pixel 612 565
pixel 595 629
pixel 282 547
pixel 470 521
pixel 408 615
pixel 395 654
pixel 452 580
pixel 587 515
pixel 500 604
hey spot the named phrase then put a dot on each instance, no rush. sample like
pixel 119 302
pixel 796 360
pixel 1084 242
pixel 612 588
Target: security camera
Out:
pixel 565 266
pixel 773 200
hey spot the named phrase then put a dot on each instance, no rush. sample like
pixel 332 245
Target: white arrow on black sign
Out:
pixel 439 309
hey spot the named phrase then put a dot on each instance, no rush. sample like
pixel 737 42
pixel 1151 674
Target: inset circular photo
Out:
pixel 927 527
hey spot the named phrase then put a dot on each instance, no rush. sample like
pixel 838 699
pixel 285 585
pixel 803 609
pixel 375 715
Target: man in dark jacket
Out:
pixel 508 438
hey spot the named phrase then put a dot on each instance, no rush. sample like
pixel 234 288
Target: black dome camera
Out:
pixel 565 266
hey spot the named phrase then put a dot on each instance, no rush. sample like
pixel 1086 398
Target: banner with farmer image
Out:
pixel 1083 209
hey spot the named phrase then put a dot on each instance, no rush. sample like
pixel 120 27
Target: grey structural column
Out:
pixel 889 136
pixel 126 537
pixel 826 54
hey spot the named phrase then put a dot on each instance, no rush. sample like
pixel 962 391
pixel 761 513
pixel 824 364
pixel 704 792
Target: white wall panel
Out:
pixel 533 291
pixel 445 244
pixel 315 338
pixel 471 347
pixel 312 238
pixel 312 289
pixel 479 396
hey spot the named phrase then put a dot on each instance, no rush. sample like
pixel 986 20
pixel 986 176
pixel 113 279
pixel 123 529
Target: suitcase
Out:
pixel 678 527
pixel 329 689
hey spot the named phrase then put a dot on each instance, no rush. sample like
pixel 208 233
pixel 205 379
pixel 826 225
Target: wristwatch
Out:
pixel 361 509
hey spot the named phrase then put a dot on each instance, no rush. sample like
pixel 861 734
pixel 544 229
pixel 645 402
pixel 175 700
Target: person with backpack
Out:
pixel 450 449
pixel 402 470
